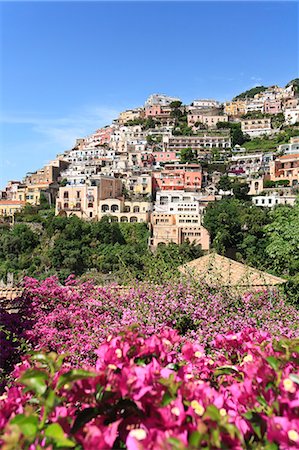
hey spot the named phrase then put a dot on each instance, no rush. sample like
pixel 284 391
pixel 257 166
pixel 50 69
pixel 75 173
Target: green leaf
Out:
pixel 225 370
pixel 176 443
pixel 56 433
pixel 50 400
pixel 215 432
pixel 74 375
pixel 213 413
pixel 195 439
pixel 262 401
pixel 256 422
pixel 273 362
pixel 35 380
pixel 167 398
pixel 27 424
pixel 294 378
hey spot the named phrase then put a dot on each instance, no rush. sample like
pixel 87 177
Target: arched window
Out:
pixel 90 205
pixel 66 195
pixel 136 209
pixel 124 219
pixel 114 208
pixel 78 205
pixel 256 185
pixel 105 208
pixel 66 205
pixel 133 219
pixel 127 209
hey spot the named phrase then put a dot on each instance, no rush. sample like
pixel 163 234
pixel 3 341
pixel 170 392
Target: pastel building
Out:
pixel 178 228
pixel 160 99
pixel 205 104
pixel 254 105
pixel 272 106
pixel 286 168
pixel 130 114
pixel 210 120
pixel 139 184
pixel 84 200
pixel 202 141
pixel 165 157
pixel 121 210
pixel 274 199
pixel 256 127
pixel 178 177
pixel 291 115
pixel 181 202
pixel 291 147
pixel 235 108
pixel 8 208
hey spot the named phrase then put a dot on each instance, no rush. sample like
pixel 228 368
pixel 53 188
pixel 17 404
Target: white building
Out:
pixel 292 147
pixel 160 99
pixel 182 202
pixel 254 105
pixel 291 115
pixel 250 164
pixel 206 104
pixel 256 127
pixel 269 201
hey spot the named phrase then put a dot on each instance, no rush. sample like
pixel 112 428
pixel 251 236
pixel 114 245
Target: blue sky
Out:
pixel 68 68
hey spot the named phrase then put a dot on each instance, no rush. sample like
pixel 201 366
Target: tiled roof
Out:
pixel 290 156
pixel 12 202
pixel 216 269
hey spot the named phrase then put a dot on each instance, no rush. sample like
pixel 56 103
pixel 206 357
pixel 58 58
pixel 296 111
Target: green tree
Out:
pixel 176 104
pixel 240 190
pixel 283 235
pixel 224 184
pixel 187 155
pixel 223 221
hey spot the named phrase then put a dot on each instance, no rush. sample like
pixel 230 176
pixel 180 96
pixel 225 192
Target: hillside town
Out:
pixel 164 162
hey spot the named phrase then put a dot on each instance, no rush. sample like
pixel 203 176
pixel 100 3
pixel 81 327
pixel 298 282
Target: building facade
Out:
pixel 256 127
pixel 286 168
pixel 178 177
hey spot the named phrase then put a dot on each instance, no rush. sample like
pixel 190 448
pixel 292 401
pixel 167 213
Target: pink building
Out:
pixel 272 107
pixel 178 177
pixel 166 157
pixel 157 111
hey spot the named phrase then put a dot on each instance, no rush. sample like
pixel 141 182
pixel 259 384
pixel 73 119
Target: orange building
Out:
pixel 173 177
pixel 285 168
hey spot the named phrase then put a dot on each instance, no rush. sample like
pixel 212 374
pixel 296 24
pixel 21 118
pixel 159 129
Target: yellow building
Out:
pixel 235 108
pixel 122 210
pixel 178 228
pixel 130 114
pixel 8 208
pixel 139 184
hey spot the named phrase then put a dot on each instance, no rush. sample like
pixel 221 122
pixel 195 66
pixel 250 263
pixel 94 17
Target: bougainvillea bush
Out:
pixel 77 317
pixel 153 367
pixel 159 392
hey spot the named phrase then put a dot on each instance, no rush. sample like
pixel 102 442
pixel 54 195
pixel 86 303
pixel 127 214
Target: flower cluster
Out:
pixel 76 318
pixel 159 392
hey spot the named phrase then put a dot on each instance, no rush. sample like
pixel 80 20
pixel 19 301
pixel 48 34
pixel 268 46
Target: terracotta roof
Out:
pixel 290 156
pixel 12 202
pixel 216 269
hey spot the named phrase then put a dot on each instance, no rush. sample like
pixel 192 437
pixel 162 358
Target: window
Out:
pixel 90 205
pixel 66 205
pixel 90 214
pixel 136 209
pixel 65 195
